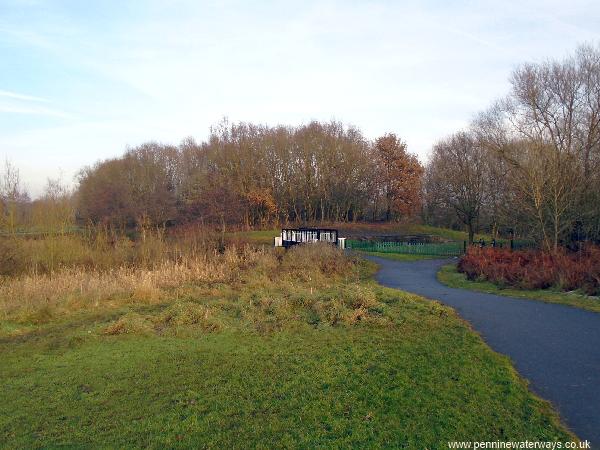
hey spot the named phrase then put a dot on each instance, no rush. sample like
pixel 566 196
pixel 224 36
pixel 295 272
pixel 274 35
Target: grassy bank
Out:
pixel 446 233
pixel 249 348
pixel 451 277
pixel 354 229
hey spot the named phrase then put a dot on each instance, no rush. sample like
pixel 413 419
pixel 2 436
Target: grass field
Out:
pixel 451 277
pixel 392 228
pixel 259 237
pixel 300 349
pixel 266 236
pixel 453 235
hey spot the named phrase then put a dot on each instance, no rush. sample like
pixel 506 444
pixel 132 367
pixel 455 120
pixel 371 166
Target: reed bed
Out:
pixel 264 286
pixel 74 288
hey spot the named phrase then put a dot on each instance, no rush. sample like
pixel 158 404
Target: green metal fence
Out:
pixel 442 249
pixel 438 249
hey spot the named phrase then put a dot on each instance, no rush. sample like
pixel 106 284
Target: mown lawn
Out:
pixel 417 379
pixel 451 277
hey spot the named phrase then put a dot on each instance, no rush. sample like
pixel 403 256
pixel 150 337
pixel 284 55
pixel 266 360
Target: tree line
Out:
pixel 250 175
pixel 530 164
pixel 255 175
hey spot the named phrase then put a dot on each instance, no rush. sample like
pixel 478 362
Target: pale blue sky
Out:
pixel 81 81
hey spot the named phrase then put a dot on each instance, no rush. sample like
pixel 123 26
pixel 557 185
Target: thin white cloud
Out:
pixel 475 38
pixel 17 103
pixel 35 110
pixel 17 96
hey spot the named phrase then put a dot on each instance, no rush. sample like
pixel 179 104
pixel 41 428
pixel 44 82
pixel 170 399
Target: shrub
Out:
pixel 531 269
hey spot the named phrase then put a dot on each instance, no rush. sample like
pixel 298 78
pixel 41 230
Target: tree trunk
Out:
pixel 471 231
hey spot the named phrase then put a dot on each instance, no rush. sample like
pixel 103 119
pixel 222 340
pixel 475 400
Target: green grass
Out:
pixel 451 277
pixel 266 236
pixel 415 376
pixel 259 237
pixel 446 233
pixel 398 256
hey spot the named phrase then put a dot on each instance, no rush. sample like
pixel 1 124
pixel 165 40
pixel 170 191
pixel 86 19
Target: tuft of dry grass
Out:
pixel 179 314
pixel 188 313
pixel 130 323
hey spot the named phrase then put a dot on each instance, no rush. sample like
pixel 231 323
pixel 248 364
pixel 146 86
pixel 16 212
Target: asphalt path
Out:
pixel 555 347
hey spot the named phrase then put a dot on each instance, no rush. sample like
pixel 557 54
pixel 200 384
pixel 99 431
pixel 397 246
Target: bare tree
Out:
pixel 456 178
pixel 548 133
pixel 54 211
pixel 13 198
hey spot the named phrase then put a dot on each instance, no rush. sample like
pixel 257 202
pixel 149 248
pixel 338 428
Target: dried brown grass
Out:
pixel 101 249
pixel 71 289
pixel 264 289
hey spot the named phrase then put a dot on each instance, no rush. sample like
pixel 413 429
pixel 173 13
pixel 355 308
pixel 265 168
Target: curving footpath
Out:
pixel 556 347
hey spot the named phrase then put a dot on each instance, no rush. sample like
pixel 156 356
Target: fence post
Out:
pixel 465 247
pixel 512 244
